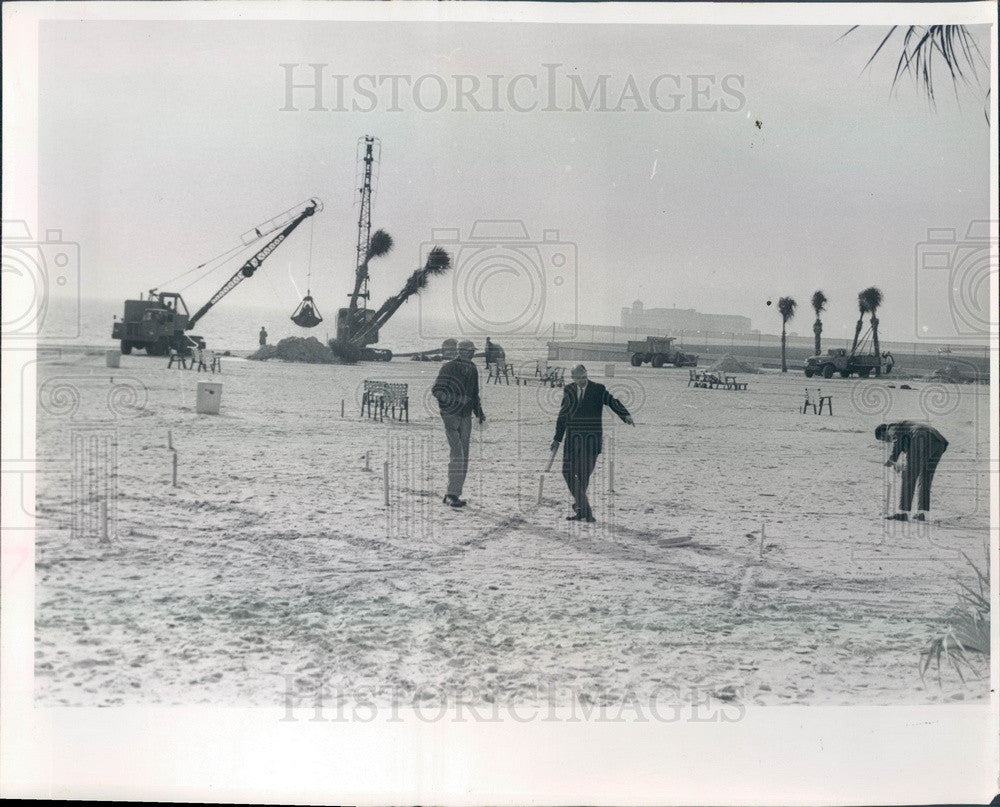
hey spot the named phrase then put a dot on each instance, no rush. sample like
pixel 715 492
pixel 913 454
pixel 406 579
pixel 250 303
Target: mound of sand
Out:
pixel 954 374
pixel 294 348
pixel 730 364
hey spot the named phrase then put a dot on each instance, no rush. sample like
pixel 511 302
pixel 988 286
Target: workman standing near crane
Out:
pixel 457 392
pixel 263 337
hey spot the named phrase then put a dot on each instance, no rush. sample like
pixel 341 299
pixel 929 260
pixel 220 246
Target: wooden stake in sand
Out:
pixel 611 476
pixel 552 459
pixel 548 467
pixel 170 439
pixel 762 540
pixel 368 455
pixel 341 407
pixel 385 480
pixel 104 520
pixel 175 468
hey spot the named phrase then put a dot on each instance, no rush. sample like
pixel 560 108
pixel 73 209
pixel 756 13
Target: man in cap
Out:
pixel 579 422
pixel 923 445
pixel 457 392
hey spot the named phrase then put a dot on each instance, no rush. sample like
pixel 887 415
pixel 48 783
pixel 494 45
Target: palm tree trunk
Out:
pixel 878 353
pixel 784 365
pixel 817 330
pixel 857 333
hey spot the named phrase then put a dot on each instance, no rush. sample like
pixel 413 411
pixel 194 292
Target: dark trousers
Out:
pixel 921 462
pixel 579 458
pixel 457 429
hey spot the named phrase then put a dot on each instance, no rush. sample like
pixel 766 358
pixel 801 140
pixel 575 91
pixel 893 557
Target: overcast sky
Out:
pixel 161 142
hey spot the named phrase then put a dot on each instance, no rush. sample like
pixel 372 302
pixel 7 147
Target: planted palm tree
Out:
pixel 379 245
pixel 819 306
pixel 871 299
pixel 438 262
pixel 857 328
pixel 786 307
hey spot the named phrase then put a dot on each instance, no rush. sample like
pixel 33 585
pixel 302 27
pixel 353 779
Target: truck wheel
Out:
pixel 845 373
pixel 864 372
pixel 386 355
pixel 126 347
pixel 158 348
pixel 658 360
pixel 827 371
pixel 809 371
pixel 636 360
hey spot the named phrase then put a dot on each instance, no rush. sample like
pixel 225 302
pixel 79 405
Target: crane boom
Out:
pixel 255 262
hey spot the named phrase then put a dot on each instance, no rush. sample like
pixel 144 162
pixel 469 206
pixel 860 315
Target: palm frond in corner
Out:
pixel 965 645
pixel 924 46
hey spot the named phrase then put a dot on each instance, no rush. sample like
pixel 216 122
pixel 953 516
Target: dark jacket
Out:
pixel 583 417
pixel 906 434
pixel 457 388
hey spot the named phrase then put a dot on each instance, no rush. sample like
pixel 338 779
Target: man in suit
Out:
pixel 579 422
pixel 457 392
pixel 923 445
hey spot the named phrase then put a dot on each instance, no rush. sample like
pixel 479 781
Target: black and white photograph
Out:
pixel 445 381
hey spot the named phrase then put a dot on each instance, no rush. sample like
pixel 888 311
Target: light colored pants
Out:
pixel 457 429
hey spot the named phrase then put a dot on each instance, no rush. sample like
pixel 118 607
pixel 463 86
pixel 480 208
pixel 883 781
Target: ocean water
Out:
pixel 235 327
pixel 229 326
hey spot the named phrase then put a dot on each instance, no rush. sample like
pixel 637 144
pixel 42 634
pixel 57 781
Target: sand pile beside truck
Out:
pixel 295 348
pixel 730 364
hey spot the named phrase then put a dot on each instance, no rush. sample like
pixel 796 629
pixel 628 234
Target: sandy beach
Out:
pixel 275 562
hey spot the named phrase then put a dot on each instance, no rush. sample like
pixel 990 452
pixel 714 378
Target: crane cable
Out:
pixel 229 253
pixel 307 315
pixel 309 264
pixel 225 256
pixel 203 264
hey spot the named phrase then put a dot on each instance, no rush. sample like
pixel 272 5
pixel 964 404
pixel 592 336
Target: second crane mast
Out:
pixel 371 145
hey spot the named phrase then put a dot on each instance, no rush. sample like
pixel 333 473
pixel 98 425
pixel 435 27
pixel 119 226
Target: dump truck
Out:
pixel 841 360
pixel 659 350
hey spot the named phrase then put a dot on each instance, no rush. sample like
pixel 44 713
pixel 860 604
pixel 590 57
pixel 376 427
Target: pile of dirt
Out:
pixel 294 348
pixel 730 364
pixel 954 374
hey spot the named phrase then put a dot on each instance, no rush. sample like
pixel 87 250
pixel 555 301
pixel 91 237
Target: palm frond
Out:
pixel 786 307
pixel 965 644
pixel 438 262
pixel 819 302
pixel 924 46
pixel 379 245
pixel 870 299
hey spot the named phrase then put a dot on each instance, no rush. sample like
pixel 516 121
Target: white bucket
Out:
pixel 113 358
pixel 209 397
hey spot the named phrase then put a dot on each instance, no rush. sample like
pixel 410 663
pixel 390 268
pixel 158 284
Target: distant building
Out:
pixel 639 318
